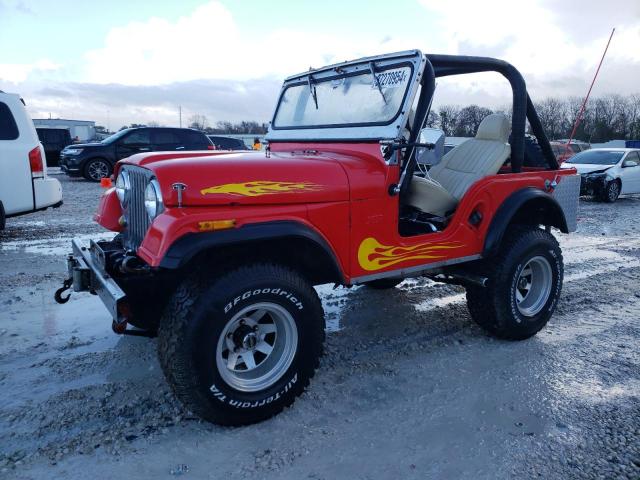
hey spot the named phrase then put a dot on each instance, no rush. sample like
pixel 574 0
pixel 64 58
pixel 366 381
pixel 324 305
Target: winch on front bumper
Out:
pixel 126 285
pixel 87 273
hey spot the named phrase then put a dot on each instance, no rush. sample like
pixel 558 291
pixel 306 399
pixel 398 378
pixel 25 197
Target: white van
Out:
pixel 24 185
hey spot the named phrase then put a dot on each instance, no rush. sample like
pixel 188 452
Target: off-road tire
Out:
pixel 91 167
pixel 3 217
pixel 611 191
pixel 384 283
pixel 495 307
pixel 199 313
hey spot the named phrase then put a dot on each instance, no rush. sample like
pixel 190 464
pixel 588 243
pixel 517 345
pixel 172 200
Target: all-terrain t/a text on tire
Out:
pixel 241 349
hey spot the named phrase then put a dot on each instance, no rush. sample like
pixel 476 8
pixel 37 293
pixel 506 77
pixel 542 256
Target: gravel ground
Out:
pixel 409 387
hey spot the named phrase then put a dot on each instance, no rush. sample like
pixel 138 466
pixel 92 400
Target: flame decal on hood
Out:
pixel 261 187
pixel 372 255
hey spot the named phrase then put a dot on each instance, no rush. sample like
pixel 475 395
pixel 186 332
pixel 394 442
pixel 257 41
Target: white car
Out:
pixel 24 185
pixel 607 173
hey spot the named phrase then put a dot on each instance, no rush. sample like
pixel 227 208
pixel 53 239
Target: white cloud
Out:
pixel 208 44
pixel 209 64
pixel 545 40
pixel 20 72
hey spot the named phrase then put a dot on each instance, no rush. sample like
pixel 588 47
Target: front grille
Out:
pixel 135 213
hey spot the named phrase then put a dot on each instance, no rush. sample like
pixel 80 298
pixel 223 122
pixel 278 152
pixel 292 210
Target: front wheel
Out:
pixel 524 285
pixel 97 169
pixel 611 192
pixel 240 349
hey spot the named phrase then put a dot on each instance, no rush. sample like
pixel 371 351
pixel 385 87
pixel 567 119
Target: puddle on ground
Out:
pixel 51 246
pixel 333 302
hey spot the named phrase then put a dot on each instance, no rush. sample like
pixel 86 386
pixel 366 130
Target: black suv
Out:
pixel 96 160
pixel 53 140
pixel 228 143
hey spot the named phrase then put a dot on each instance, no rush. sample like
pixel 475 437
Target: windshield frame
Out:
pixel 353 132
pixel 355 73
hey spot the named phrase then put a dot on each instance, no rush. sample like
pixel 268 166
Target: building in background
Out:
pixel 85 130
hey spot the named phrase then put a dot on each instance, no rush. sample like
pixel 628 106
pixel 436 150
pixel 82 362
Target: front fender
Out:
pixel 188 246
pixel 109 211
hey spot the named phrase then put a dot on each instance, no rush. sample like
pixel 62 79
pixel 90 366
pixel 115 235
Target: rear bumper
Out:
pixel 86 267
pixel 48 192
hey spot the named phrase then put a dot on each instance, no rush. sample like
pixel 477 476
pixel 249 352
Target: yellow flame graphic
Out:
pixel 261 187
pixel 372 255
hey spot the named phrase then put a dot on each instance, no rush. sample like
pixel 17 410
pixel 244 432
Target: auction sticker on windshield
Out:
pixel 391 78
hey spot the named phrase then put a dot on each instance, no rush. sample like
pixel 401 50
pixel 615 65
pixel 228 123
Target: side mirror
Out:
pixel 629 163
pixel 430 156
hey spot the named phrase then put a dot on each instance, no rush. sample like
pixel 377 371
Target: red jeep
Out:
pixel 218 252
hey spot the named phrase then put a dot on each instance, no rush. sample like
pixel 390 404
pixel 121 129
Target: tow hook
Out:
pixel 66 285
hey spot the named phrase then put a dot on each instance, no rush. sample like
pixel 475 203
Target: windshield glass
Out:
pixel 115 137
pixel 344 101
pixel 596 157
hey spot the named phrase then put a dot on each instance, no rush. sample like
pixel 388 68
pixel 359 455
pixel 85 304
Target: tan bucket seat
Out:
pixel 470 161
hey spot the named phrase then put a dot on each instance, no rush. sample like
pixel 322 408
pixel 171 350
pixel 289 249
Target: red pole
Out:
pixel 584 104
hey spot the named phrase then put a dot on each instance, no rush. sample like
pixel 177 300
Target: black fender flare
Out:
pixel 189 245
pixel 518 200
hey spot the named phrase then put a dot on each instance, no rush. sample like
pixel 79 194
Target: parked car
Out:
pixel 54 140
pixel 563 149
pixel 228 143
pixel 607 173
pixel 24 184
pixel 219 256
pixel 96 160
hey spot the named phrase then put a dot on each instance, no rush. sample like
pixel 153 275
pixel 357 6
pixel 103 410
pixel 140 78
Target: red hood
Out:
pixel 246 178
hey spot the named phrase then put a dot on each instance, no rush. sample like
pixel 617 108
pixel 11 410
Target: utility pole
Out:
pixel 180 114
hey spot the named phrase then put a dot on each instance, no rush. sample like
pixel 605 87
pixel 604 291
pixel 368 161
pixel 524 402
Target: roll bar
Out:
pixel 523 109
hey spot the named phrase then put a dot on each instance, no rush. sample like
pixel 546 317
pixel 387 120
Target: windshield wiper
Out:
pixel 312 89
pixel 375 79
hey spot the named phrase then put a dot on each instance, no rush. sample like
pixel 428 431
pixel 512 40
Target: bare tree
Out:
pixel 198 122
pixel 448 115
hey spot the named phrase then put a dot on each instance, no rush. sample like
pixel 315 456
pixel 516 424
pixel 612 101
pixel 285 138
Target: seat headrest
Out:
pixel 494 127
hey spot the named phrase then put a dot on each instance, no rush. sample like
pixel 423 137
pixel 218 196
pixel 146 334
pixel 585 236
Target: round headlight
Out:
pixel 123 185
pixel 153 199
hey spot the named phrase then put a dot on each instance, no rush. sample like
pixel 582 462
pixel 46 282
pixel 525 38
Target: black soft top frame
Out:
pixel 445 65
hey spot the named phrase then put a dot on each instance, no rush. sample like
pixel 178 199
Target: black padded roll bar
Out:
pixel 445 65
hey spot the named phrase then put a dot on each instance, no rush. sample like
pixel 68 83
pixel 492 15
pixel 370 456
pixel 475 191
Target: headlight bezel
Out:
pixel 123 187
pixel 154 206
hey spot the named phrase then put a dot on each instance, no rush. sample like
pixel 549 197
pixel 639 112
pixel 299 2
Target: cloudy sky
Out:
pixel 126 61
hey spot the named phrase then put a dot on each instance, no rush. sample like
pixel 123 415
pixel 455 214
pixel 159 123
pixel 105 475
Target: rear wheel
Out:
pixel 96 169
pixel 240 349
pixel 611 191
pixel 524 285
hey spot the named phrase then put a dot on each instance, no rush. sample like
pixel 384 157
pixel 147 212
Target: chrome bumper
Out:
pixel 86 269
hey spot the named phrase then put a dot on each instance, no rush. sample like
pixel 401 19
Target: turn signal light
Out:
pixel 105 182
pixel 210 225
